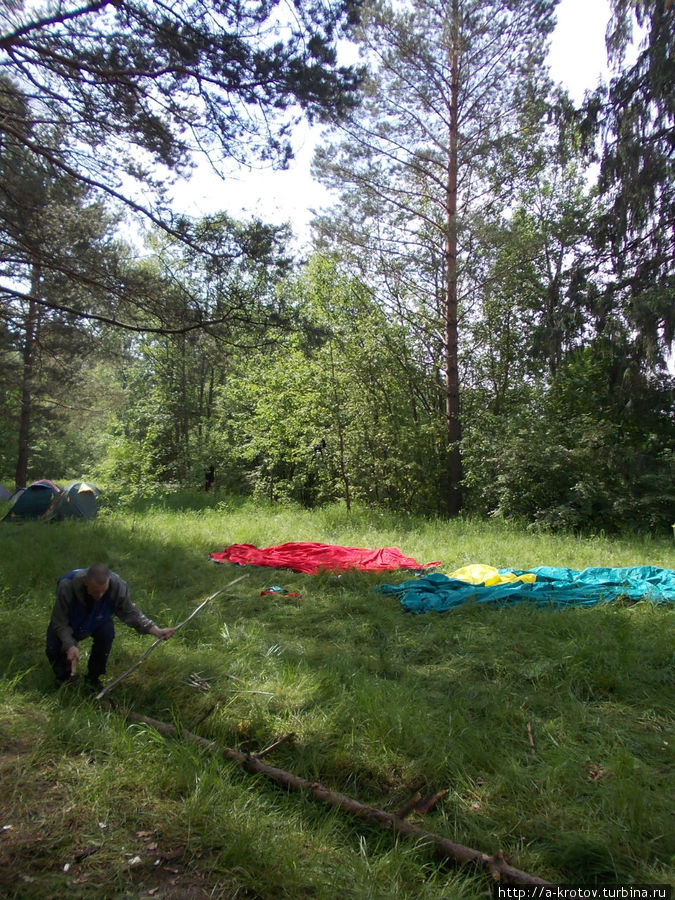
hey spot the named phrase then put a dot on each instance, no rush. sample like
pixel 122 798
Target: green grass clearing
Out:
pixel 382 703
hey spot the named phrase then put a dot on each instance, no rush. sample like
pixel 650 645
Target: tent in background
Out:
pixel 33 501
pixel 4 493
pixel 77 500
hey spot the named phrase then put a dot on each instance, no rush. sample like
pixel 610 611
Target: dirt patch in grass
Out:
pixel 48 847
pixel 32 866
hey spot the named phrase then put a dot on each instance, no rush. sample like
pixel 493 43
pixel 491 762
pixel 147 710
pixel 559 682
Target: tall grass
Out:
pixel 550 730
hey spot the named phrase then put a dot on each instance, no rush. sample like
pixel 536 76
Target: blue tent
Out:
pixel 78 500
pixel 33 501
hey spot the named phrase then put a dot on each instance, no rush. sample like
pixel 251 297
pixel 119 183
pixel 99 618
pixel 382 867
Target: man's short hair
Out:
pixel 97 574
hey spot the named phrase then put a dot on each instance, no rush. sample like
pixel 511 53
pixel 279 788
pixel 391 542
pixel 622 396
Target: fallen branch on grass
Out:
pixel 159 641
pixel 498 868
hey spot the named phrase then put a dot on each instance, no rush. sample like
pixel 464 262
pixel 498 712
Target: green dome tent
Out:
pixel 33 501
pixel 77 500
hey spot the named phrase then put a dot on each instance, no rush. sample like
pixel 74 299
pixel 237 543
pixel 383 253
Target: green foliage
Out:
pixel 166 430
pixel 335 410
pixel 636 117
pixel 382 704
pixel 594 452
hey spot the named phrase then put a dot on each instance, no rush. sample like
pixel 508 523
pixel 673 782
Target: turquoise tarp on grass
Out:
pixel 554 587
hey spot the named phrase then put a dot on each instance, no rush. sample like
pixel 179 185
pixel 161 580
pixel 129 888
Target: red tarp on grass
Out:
pixel 311 558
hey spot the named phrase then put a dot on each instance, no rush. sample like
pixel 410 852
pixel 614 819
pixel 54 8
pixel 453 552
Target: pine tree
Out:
pixel 120 97
pixel 435 147
pixel 134 82
pixel 635 117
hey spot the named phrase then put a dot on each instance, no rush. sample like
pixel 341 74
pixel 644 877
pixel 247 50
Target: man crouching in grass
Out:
pixel 86 600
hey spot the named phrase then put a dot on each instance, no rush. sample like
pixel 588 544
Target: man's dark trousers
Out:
pixel 102 639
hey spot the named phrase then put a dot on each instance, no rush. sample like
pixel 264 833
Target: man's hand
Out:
pixel 73 657
pixel 163 633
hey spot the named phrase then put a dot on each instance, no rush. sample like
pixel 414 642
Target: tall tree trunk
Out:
pixel 31 335
pixel 209 404
pixel 454 460
pixel 201 398
pixel 344 474
pixel 184 412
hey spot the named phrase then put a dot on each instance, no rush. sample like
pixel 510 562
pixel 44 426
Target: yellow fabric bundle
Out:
pixel 477 573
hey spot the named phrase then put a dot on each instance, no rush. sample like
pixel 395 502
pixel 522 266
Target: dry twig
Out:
pixel 282 740
pixel 159 641
pixel 530 738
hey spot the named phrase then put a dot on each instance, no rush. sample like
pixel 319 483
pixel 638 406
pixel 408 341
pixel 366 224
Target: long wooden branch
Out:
pixel 497 867
pixel 118 323
pixel 159 641
pixel 7 40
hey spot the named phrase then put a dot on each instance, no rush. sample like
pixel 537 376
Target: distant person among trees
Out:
pixel 209 478
pixel 317 449
pixel 86 600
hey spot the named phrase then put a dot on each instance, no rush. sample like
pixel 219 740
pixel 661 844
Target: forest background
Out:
pixel 484 319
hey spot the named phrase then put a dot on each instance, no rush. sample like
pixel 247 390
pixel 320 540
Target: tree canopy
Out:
pixel 435 147
pixel 120 97
pixel 133 82
pixel 487 315
pixel 636 116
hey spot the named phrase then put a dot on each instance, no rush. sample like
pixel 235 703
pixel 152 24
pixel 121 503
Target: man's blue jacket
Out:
pixel 76 615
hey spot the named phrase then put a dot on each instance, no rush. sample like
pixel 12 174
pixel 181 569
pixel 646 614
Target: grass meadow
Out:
pixel 550 730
